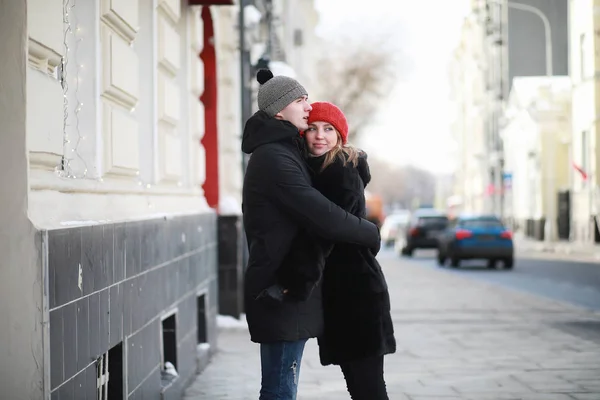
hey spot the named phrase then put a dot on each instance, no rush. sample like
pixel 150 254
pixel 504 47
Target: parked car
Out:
pixel 476 237
pixel 422 232
pixel 392 224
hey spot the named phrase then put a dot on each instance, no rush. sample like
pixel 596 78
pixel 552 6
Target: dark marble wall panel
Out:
pixel 112 283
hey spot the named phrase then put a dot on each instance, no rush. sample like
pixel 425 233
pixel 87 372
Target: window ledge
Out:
pixel 48 180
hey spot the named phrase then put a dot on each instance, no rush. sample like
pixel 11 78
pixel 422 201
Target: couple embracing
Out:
pixel 312 271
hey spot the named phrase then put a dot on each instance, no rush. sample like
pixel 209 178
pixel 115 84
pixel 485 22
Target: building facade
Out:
pixel 584 67
pixel 467 80
pixel 115 116
pixel 515 38
pixel 536 138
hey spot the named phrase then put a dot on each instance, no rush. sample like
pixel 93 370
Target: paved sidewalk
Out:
pixel 457 339
pixel 528 247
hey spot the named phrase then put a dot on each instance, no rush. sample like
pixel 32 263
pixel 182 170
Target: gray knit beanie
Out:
pixel 276 92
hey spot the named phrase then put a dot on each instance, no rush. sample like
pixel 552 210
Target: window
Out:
pixel 585 151
pixel 169 348
pixel 439 221
pixel 481 223
pixel 582 57
pixel 115 366
pixel 109 374
pixel 102 377
pixel 201 307
pixel 298 39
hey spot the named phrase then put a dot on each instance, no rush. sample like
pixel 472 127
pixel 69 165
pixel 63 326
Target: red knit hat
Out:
pixel 328 112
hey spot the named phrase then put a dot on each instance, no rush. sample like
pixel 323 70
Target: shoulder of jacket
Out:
pixel 276 153
pixel 274 148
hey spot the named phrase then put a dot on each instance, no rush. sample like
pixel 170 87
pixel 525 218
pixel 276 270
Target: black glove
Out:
pixel 274 294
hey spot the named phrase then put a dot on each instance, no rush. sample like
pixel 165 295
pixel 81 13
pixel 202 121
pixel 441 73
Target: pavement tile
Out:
pixel 546 396
pixel 586 396
pixel 457 339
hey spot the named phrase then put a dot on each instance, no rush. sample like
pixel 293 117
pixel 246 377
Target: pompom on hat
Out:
pixel 276 92
pixel 330 113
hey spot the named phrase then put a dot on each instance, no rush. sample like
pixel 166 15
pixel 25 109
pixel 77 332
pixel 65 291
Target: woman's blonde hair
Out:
pixel 345 152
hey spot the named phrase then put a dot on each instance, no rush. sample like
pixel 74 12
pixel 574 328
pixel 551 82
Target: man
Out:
pixel 278 200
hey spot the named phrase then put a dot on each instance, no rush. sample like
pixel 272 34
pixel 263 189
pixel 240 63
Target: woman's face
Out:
pixel 320 138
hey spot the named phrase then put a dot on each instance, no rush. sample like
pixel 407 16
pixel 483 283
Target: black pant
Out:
pixel 364 379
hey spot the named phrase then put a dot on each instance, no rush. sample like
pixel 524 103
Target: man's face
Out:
pixel 296 112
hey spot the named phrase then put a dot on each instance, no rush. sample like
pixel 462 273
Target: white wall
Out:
pixel 520 138
pixel 301 16
pixel 21 345
pixel 536 147
pixel 582 70
pixel 466 77
pixel 229 105
pixel 133 70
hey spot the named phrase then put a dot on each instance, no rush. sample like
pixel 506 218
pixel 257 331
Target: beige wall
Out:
pixel 229 118
pixel 140 120
pixel 584 65
pixel 536 140
pixel 466 77
pixel 21 308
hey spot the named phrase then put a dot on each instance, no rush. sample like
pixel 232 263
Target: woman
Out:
pixel 358 329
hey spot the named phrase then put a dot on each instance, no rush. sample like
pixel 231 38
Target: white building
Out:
pixel 286 36
pixel 584 56
pixel 467 73
pixel 302 48
pixel 120 135
pixel 536 140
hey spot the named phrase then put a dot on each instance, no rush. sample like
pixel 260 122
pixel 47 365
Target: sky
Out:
pixel 413 125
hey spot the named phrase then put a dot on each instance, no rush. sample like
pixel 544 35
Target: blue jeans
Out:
pixel 280 364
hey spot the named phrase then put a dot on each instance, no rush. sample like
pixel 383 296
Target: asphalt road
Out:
pixel 574 282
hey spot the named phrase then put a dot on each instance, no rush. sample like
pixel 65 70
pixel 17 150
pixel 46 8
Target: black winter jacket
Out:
pixel 278 199
pixel 305 262
pixel 356 302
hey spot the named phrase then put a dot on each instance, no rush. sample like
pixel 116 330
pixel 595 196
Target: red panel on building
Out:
pixel 209 99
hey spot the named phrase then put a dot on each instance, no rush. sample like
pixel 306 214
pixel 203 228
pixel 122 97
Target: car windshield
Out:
pixel 433 221
pixel 481 223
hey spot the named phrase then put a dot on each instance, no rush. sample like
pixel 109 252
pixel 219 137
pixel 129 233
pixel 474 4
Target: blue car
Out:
pixel 482 237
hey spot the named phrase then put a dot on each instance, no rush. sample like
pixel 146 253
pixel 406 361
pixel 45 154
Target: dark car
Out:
pixel 422 231
pixel 476 237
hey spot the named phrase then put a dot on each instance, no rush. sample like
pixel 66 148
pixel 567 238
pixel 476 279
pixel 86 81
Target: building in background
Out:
pixel 295 29
pixel 518 38
pixel 538 38
pixel 467 74
pixel 110 147
pixel 536 137
pixel 283 39
pixel 584 67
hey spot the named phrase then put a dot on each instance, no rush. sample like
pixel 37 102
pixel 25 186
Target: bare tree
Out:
pixel 358 77
pixel 407 185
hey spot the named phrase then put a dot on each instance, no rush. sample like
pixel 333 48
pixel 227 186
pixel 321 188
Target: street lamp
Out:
pixel 547 30
pixel 550 190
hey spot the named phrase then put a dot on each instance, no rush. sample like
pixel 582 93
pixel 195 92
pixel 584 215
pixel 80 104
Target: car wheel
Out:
pixel 407 252
pixel 491 264
pixel 509 263
pixel 455 262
